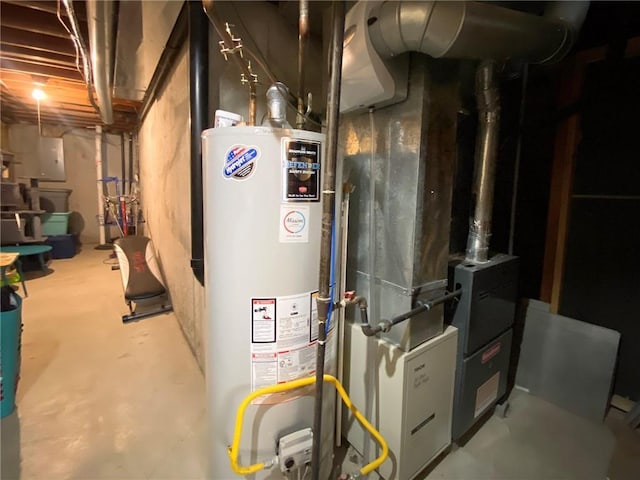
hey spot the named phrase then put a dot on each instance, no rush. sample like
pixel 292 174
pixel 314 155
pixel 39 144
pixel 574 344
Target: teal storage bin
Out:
pixel 56 223
pixel 10 333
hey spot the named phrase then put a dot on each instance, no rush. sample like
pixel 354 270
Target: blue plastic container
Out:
pixel 63 246
pixel 10 333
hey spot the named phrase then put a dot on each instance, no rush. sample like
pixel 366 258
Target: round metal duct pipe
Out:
pixel 475 30
pixel 100 16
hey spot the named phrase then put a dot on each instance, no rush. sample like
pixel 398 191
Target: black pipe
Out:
pixel 199 107
pixel 166 62
pixel 328 211
pixel 425 306
pixel 386 325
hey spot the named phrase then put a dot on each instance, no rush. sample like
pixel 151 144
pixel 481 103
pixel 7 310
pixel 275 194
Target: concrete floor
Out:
pixel 98 399
pixel 102 400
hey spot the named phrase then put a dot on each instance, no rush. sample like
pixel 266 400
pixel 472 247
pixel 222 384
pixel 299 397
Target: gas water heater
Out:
pixel 262 248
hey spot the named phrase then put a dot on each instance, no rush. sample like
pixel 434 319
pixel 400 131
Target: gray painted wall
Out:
pixel 164 145
pixel 79 158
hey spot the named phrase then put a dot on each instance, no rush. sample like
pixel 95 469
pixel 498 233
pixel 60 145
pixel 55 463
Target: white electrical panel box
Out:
pixel 407 396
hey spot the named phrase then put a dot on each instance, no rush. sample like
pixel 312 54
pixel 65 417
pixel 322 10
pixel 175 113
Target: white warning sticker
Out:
pixel 294 223
pixel 284 332
pixel 264 369
pixel 263 320
pixel 281 344
pixel 294 317
pixel 486 394
pixel 296 363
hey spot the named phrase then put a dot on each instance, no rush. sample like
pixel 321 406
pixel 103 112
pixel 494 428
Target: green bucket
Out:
pixel 10 333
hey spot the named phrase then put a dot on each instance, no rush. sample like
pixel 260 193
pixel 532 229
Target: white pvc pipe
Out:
pixel 100 186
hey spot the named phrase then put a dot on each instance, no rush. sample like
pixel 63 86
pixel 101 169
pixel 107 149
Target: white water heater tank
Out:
pixel 262 189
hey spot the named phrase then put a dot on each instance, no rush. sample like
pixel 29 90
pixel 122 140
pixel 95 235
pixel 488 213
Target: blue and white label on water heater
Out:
pixel 240 161
pixel 294 224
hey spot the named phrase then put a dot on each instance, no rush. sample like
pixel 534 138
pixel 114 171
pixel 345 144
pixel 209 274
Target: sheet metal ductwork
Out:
pixel 475 30
pixel 379 32
pixel 101 44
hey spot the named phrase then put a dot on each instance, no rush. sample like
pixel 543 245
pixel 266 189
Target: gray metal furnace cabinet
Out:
pixel 484 318
pixel 407 396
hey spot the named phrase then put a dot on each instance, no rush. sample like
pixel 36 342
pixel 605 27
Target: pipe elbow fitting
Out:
pixel 385 326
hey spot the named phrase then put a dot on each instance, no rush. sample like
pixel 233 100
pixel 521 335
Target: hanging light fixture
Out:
pixel 38 95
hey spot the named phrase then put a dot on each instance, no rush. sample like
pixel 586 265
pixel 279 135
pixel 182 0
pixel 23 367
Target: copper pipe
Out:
pixel 243 65
pixel 252 103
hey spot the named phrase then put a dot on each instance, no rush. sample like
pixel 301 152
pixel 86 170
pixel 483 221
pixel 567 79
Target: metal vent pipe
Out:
pixel 475 30
pixel 484 31
pixel 488 97
pixel 101 44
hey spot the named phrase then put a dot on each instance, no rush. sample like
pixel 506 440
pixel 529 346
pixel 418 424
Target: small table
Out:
pixel 6 260
pixel 26 250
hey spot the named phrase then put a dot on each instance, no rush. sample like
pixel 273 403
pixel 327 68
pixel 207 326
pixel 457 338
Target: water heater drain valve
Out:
pixel 294 449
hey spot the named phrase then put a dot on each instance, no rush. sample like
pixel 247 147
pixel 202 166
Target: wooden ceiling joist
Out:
pixel 36 50
pixel 21 17
pixel 20 52
pixel 37 41
pixel 24 66
pixel 49 7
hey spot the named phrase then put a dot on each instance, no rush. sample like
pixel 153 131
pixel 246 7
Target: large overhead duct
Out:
pixel 475 30
pixel 377 32
pixel 101 44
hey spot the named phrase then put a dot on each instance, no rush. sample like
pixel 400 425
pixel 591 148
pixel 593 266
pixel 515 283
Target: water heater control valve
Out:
pixel 294 449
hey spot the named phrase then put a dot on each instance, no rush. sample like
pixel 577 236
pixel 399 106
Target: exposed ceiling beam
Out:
pixel 31 68
pixel 37 41
pixel 50 7
pixel 23 53
pixel 23 18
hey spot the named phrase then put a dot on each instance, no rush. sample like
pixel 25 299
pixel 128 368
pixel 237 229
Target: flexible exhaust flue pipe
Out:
pixel 328 211
pixel 101 42
pixel 488 97
pixel 475 30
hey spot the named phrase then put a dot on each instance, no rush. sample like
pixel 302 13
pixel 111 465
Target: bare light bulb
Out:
pixel 38 94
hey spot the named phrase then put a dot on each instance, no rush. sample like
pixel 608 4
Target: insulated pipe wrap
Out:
pixel 475 30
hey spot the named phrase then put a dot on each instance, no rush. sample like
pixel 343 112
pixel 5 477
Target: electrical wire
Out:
pixel 306 471
pixel 76 37
pixel 75 44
